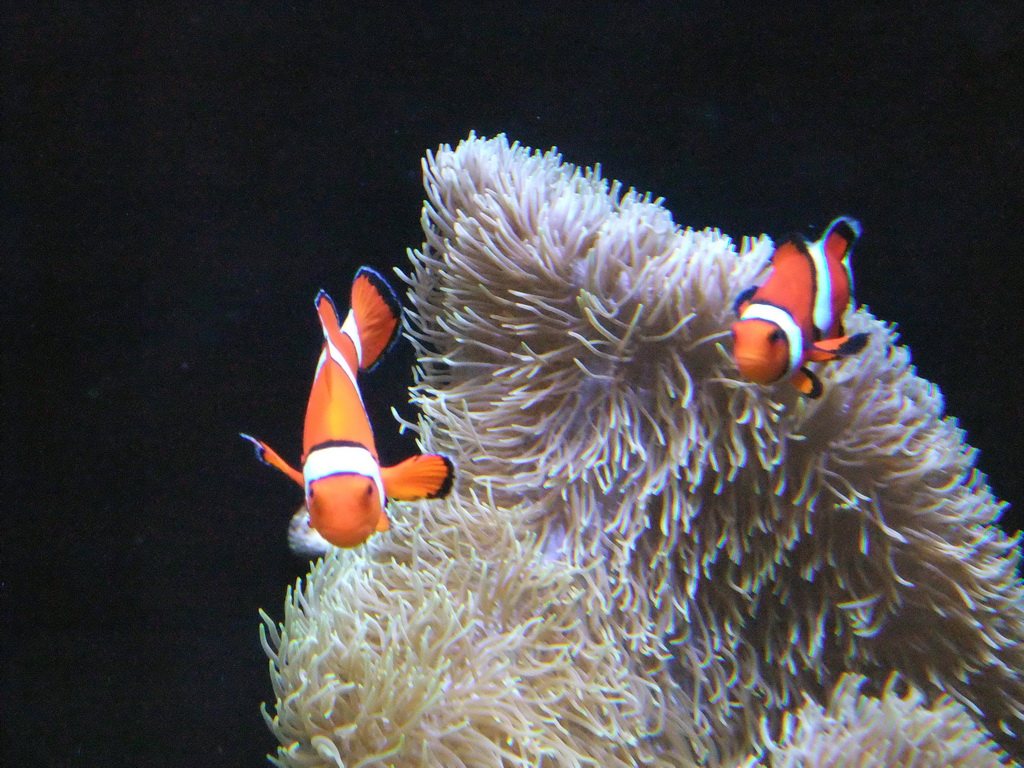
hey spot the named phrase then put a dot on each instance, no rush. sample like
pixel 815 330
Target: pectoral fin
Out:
pixel 833 349
pixel 269 456
pixel 807 383
pixel 428 476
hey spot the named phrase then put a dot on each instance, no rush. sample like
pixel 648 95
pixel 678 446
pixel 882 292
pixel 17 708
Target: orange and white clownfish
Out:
pixel 796 316
pixel 346 488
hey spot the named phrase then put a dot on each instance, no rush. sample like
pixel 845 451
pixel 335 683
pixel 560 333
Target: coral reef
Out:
pixel 646 561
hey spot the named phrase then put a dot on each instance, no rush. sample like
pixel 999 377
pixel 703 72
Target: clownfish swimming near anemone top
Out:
pixel 796 316
pixel 346 488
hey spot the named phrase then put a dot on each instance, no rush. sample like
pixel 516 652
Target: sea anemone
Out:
pixel 646 560
pixel 891 731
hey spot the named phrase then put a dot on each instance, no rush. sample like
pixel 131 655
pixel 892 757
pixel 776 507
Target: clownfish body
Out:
pixel 346 488
pixel 796 316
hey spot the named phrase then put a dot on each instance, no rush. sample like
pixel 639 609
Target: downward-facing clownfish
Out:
pixel 796 316
pixel 346 488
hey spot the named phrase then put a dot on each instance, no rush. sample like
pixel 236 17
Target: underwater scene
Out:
pixel 649 375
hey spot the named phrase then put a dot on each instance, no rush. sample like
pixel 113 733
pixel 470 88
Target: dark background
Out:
pixel 179 181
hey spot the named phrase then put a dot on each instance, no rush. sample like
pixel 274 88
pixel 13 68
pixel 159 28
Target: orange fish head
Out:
pixel 344 509
pixel 761 350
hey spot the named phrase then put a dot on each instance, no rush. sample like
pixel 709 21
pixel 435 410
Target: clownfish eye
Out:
pixel 369 490
pixel 776 336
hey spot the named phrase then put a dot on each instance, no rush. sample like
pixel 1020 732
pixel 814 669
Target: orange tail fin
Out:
pixel 377 312
pixel 269 456
pixel 429 476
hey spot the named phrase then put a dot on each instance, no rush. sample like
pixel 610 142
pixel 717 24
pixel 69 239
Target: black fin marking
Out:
pixel 322 294
pixel 794 238
pixel 449 481
pixel 258 447
pixel 383 288
pixel 745 296
pixel 853 345
pixel 847 228
pixel 338 444
pixel 816 387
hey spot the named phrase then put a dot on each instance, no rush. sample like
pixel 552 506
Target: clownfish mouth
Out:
pixel 758 368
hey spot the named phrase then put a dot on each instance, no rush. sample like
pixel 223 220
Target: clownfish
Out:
pixel 796 316
pixel 346 488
